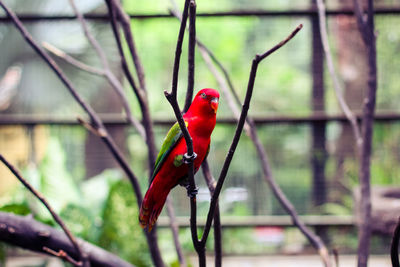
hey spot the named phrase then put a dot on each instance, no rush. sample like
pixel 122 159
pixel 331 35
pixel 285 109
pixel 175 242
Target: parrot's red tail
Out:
pixel 151 207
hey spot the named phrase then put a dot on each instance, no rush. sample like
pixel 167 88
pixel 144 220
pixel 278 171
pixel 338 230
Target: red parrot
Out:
pixel 170 168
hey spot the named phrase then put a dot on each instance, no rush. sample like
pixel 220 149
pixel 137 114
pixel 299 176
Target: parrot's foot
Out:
pixel 189 159
pixel 192 192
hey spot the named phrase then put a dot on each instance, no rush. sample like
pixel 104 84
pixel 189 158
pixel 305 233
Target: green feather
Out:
pixel 178 160
pixel 170 141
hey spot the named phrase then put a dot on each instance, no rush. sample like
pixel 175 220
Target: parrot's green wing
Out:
pixel 170 141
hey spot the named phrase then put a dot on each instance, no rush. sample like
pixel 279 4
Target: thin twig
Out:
pixel 93 42
pixel 74 62
pixel 205 51
pixel 175 232
pixel 225 88
pixel 125 24
pixel 62 255
pixel 394 249
pixel 191 55
pixel 38 195
pixel 178 50
pixel 91 128
pixel 115 28
pixel 107 72
pixel 116 11
pixel 211 183
pixel 222 68
pixel 243 115
pixel 336 84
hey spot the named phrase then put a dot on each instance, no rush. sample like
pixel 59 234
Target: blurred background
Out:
pixel 310 145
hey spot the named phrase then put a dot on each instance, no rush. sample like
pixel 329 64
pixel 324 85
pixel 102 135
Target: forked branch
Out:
pixel 239 128
pixel 233 101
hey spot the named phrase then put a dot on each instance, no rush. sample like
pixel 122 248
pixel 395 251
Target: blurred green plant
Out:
pixel 120 231
pixel 101 209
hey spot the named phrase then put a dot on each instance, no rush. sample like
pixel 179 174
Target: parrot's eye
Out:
pixel 203 95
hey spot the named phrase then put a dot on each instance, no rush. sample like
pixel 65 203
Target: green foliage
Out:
pixel 96 209
pixel 121 232
pixel 385 168
pixel 337 209
pixel 16 208
pixel 239 241
pixel 388 45
pixel 295 183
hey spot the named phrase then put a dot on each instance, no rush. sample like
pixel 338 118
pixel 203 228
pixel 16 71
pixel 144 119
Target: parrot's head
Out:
pixel 206 101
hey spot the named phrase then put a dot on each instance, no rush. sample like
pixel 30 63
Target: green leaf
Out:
pixel 121 233
pixel 19 209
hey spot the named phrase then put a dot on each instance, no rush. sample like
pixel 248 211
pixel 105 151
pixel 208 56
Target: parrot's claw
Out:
pixel 189 159
pixel 192 192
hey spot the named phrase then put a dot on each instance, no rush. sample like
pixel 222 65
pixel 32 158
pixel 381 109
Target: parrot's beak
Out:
pixel 214 104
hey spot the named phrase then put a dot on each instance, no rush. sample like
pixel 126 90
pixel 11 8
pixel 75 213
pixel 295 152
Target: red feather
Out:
pixel 201 119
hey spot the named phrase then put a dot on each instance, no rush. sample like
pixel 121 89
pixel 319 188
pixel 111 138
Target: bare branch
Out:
pixel 79 64
pixel 172 99
pixel 62 255
pixel 89 36
pixel 191 55
pixel 361 20
pixel 192 184
pixel 125 23
pixel 230 99
pixel 91 128
pixel 211 183
pixel 367 30
pixel 243 115
pixel 175 232
pixel 105 72
pixel 336 85
pixel 81 256
pixel 115 27
pixel 189 7
pixel 250 130
pixel 178 50
pixel 116 11
pixel 25 232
